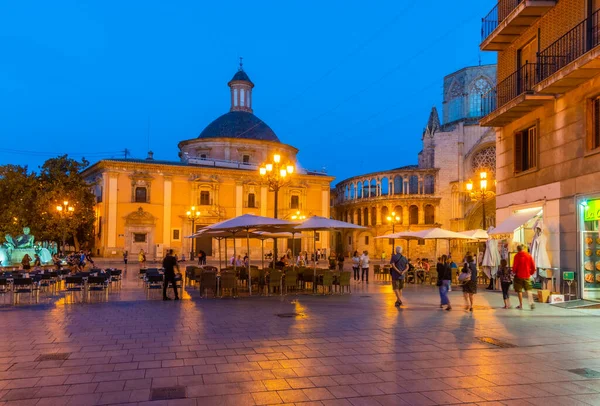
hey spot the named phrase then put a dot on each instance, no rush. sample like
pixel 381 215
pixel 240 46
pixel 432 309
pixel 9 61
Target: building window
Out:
pixel 594 139
pixel 139 237
pixel 99 227
pixel 366 240
pixel 246 159
pixel 526 149
pixel 295 202
pixel 484 160
pixel 413 185
pixel 204 198
pixel 141 195
pixel 429 214
pixel 251 200
pixel 429 184
pixel 349 240
pixel 176 234
pixel 413 215
pixel 203 156
pixel 317 236
pixel 480 87
pixel 390 241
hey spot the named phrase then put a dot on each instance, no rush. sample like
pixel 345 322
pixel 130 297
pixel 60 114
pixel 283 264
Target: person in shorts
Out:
pixel 523 268
pixel 399 265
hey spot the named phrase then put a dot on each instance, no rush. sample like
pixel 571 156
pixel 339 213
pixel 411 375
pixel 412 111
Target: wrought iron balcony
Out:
pixel 513 97
pixel 572 59
pixel 509 19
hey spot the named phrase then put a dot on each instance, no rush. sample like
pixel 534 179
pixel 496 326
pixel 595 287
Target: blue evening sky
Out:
pixel 349 83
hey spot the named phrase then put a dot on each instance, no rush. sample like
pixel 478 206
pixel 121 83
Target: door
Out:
pixel 294 245
pixel 527 60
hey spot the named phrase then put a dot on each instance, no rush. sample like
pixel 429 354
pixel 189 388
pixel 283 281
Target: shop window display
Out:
pixel 590 248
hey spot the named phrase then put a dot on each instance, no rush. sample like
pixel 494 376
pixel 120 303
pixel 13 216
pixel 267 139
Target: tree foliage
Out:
pixel 34 198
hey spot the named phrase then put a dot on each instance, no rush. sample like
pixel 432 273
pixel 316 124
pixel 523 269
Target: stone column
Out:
pixel 405 215
pixel 421 213
pixel 378 211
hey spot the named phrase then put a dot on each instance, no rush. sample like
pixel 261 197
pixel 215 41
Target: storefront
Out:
pixel 588 219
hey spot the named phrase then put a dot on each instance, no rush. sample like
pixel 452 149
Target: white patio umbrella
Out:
pixel 316 223
pixel 248 222
pixel 478 234
pixel 428 234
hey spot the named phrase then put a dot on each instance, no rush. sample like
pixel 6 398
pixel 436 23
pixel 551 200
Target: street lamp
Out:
pixel 276 175
pixel 298 216
pixel 480 193
pixel 65 211
pixel 192 216
pixel 393 220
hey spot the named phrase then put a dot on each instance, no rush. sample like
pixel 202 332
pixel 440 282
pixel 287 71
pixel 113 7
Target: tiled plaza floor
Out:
pixel 353 349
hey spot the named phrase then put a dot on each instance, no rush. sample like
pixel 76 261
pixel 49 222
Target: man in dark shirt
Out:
pixel 400 266
pixel 169 264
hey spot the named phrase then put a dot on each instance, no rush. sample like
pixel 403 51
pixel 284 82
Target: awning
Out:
pixel 514 221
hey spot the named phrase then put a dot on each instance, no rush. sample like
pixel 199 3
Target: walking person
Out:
pixel 399 265
pixel 125 255
pixel 469 275
pixel 142 259
pixel 356 266
pixel 523 268
pixel 169 264
pixel 444 280
pixel 505 277
pixel 364 265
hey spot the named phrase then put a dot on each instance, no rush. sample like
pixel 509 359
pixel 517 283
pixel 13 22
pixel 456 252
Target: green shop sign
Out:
pixel 592 211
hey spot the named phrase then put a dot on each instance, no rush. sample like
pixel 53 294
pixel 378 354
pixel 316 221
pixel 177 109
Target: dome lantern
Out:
pixel 241 90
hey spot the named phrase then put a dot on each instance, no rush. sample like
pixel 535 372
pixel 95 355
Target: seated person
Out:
pixel 281 263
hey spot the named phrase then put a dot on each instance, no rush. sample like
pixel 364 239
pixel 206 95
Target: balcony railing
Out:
pixel 496 16
pixel 521 81
pixel 580 39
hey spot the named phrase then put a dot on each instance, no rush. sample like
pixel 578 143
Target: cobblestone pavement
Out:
pixel 353 349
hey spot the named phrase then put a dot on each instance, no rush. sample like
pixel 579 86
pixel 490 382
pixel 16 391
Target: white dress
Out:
pixel 539 253
pixel 491 258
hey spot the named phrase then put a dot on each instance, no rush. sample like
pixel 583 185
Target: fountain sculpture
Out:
pixel 13 250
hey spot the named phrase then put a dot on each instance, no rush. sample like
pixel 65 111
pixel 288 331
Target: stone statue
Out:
pixel 25 240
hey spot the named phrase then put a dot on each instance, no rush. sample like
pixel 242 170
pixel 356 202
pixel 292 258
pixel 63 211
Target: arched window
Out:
pixel 397 185
pixel 484 160
pixel 429 214
pixel 359 190
pixel 365 189
pixel 413 215
pixel 141 195
pixel 455 100
pixel 373 216
pixel 429 184
pixel 373 188
pixel 478 88
pixel 346 193
pixel 385 186
pixel 352 191
pixel 359 217
pixel 366 216
pixel 384 213
pixel 413 185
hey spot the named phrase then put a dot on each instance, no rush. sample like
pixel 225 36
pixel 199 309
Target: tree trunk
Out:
pixel 76 242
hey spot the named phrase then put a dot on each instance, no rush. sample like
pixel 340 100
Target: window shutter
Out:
pixel 532 142
pixel 518 152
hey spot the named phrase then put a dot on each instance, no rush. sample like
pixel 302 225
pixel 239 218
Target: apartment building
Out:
pixel 545 109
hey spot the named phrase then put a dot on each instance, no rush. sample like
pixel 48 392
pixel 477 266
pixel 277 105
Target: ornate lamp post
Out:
pixel 65 211
pixel 480 193
pixel 193 215
pixel 276 175
pixel 393 220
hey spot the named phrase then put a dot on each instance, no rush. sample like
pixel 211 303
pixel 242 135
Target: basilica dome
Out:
pixel 239 124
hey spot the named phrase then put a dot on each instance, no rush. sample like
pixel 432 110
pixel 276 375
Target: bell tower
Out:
pixel 241 90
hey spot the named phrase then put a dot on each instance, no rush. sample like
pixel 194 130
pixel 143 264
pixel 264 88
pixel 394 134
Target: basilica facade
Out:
pixel 142 204
pixel 431 193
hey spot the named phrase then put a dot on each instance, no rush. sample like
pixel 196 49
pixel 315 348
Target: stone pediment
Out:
pixel 140 217
pixel 138 175
pixel 204 178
